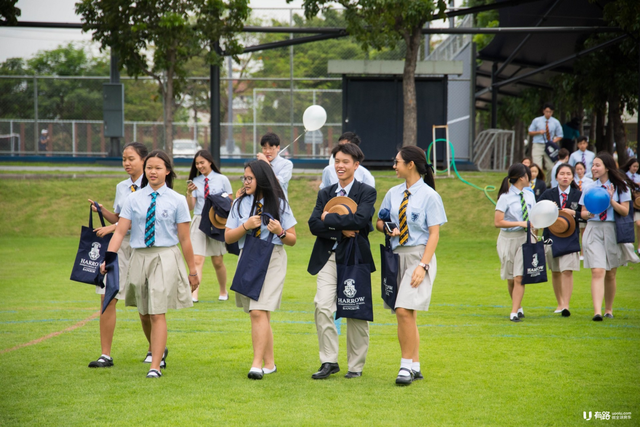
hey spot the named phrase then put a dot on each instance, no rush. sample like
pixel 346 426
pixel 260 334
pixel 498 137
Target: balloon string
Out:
pixel 305 131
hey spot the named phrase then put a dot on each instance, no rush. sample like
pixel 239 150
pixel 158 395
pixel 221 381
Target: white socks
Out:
pixel 406 364
pixel 415 366
pixel 106 357
pixel 255 370
pixel 520 310
pixel 513 315
pixel 269 371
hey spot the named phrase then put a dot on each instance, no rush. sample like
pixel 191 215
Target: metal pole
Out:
pixel 427 43
pixel 35 115
pixel 638 113
pixel 494 97
pixel 73 138
pixel 255 117
pixel 230 144
pixel 214 120
pixel 114 77
pixel 291 76
pixel 12 137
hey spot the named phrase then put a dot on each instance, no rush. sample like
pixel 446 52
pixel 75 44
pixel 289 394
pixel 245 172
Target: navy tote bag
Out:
pixel 354 285
pixel 624 226
pixel 252 266
pixel 535 269
pixel 91 252
pixel 389 262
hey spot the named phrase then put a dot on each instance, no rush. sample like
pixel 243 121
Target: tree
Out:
pixel 9 12
pixel 381 24
pixel 157 38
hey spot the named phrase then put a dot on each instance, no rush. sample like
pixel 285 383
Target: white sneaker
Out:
pixel 223 298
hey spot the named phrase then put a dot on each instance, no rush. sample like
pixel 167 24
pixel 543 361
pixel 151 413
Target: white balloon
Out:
pixel 314 118
pixel 543 214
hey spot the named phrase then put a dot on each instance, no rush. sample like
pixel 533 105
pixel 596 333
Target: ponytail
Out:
pixel 515 172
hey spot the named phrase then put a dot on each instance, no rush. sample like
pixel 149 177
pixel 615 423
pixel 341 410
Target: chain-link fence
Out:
pixel 266 91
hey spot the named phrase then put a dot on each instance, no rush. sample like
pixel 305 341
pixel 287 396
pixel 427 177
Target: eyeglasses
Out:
pixel 247 179
pixel 268 147
pixel 395 162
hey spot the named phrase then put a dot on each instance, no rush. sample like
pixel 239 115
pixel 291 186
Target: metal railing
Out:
pixel 493 149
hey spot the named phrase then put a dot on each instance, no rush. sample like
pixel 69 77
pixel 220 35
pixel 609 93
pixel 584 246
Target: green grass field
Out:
pixel 480 369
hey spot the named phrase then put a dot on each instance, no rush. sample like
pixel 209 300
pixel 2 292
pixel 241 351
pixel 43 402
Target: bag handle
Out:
pixel 99 214
pixel 354 250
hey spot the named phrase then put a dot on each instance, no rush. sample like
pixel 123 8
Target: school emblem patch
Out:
pixel 165 214
pixel 414 216
pixel 94 253
pixel 349 288
pixel 534 262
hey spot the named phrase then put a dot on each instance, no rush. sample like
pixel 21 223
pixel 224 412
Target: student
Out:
pixel 512 213
pixel 563 157
pixel 333 232
pixel 631 170
pixel 329 176
pixel 583 155
pixel 418 211
pixel 282 167
pixel 567 196
pixel 544 128
pixel 156 279
pixel 262 195
pixel 581 177
pixel 527 161
pixel 602 254
pixel 538 186
pixel 133 156
pixel 206 179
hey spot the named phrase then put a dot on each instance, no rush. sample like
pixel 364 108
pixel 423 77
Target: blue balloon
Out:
pixel 597 200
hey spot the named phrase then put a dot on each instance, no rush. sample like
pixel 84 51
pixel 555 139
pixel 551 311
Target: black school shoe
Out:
pixel 163 363
pixel 597 318
pixel 404 379
pixel 154 373
pixel 417 375
pixel 102 362
pixel 326 370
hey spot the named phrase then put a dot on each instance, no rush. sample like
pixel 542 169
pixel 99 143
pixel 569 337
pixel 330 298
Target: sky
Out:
pixel 26 42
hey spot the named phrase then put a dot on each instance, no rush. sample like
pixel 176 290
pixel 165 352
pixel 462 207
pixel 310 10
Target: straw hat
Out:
pixel 636 202
pixel 342 205
pixel 564 226
pixel 221 205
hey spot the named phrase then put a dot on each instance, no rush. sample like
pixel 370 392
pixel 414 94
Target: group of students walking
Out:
pixel 150 218
pixel 603 254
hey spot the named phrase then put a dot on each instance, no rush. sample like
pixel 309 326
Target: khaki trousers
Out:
pixel 357 330
pixel 542 159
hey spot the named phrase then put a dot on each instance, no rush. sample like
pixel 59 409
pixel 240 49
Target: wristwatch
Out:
pixel 423 265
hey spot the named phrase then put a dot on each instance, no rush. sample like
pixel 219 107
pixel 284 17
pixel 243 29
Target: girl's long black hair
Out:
pixel 515 172
pixel 540 172
pixel 138 147
pixel 208 157
pixel 267 188
pixel 573 184
pixel 628 165
pixel 417 155
pixel 616 177
pixel 167 162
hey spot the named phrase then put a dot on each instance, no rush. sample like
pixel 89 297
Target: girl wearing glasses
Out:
pixel 206 179
pixel 417 210
pixel 263 195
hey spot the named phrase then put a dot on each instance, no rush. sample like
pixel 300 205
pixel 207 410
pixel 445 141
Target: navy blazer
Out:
pixel 329 231
pixel 573 202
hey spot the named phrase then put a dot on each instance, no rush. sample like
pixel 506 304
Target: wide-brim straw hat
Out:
pixel 564 226
pixel 636 203
pixel 342 205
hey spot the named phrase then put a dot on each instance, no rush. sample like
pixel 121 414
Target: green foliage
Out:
pixel 16 96
pixel 9 12
pixel 487 19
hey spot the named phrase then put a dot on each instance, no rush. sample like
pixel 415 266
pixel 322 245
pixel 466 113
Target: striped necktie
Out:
pixel 133 188
pixel 206 187
pixel 580 185
pixel 547 133
pixel 583 160
pixel 523 204
pixel 342 192
pixel 259 212
pixel 404 228
pixel 564 200
pixel 603 215
pixel 150 225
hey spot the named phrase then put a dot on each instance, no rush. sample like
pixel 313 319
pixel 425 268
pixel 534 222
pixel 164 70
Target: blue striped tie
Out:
pixel 150 227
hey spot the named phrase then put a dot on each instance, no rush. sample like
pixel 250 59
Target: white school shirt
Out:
pixel 635 177
pixel 218 183
pixel 554 182
pixel 283 169
pixel 509 203
pixel 576 157
pixel 287 220
pixel 171 210
pixel 424 210
pixel 330 177
pixel 624 197
pixel 123 190
pixel 586 182
pixel 540 123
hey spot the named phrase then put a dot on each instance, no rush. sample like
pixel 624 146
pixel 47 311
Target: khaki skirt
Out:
pixel 271 293
pixel 204 245
pixel 636 216
pixel 568 262
pixel 157 281
pixel 600 247
pixel 124 256
pixel 413 298
pixel 509 248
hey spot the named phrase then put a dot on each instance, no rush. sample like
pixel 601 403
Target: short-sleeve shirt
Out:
pixel 540 123
pixel 554 182
pixel 583 182
pixel 424 209
pixel 624 197
pixel 171 210
pixel 239 214
pixel 218 183
pixel 330 177
pixel 123 190
pixel 635 177
pixel 283 169
pixel 576 157
pixel 509 203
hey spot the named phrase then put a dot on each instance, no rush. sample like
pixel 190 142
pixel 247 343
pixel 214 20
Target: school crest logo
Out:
pixel 574 205
pixel 94 253
pixel 534 262
pixel 414 216
pixel 349 288
pixel 165 214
